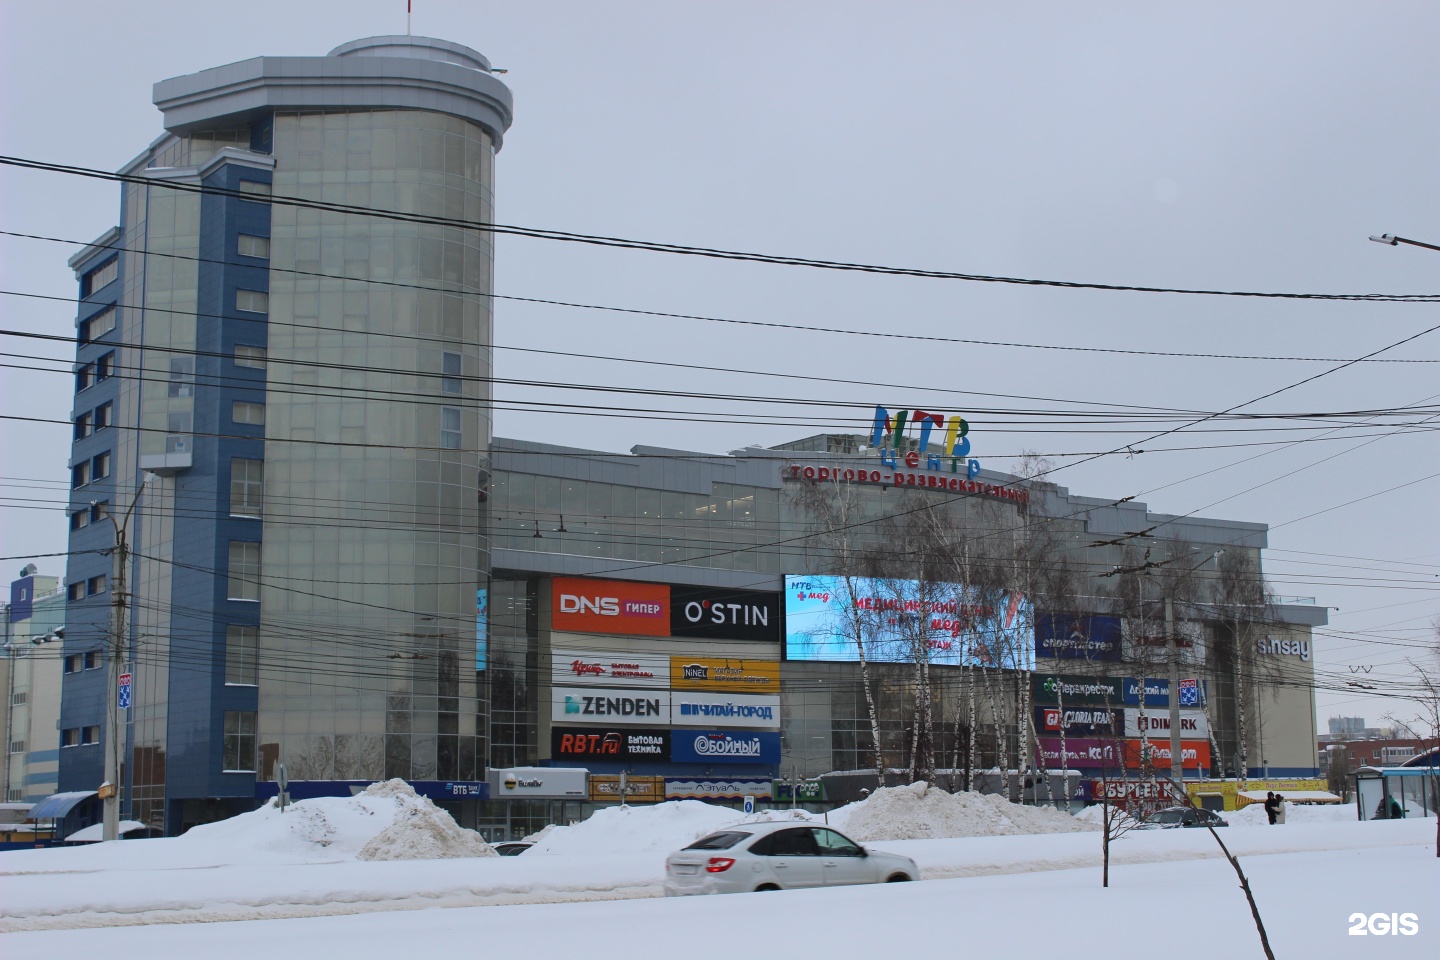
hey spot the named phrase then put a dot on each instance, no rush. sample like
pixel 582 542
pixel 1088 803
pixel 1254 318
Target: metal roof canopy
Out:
pixel 56 806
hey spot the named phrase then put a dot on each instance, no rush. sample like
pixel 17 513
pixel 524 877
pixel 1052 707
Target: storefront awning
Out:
pixel 55 807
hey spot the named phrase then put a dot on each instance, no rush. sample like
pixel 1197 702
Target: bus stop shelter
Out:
pixel 1394 793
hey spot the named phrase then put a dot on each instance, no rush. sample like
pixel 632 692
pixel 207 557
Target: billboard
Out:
pixel 1079 721
pixel 607 706
pixel 725 673
pixel 1157 692
pixel 1078 636
pixel 580 743
pixel 710 788
pixel 1109 752
pixel 713 614
pixel 897 620
pixel 606 787
pixel 697 708
pixel 609 606
pixel 725 746
pixel 1079 691
pixel 608 669
pixel 1192 724
pixel 538 783
pixel 581 605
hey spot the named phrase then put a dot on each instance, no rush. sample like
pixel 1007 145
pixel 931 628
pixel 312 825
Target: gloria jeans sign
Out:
pixel 1079 721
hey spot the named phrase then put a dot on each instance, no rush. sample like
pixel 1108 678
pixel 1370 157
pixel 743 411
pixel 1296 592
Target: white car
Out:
pixel 778 856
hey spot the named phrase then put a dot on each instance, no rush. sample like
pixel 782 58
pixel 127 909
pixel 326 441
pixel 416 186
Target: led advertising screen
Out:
pixel 827 617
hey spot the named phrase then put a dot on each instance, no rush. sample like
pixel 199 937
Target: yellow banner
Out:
pixel 1229 788
pixel 605 787
pixel 732 674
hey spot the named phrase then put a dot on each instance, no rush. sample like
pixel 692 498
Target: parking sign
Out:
pixel 125 691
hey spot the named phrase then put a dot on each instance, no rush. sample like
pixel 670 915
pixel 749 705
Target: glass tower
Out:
pixel 298 362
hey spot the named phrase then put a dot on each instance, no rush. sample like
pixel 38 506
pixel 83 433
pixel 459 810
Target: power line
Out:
pixel 681 249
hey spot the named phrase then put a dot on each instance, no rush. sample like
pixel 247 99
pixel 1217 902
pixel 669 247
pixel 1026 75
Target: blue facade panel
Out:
pixel 87 619
pixel 198 694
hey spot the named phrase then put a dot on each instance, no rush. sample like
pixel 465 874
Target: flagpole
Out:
pixel 408 5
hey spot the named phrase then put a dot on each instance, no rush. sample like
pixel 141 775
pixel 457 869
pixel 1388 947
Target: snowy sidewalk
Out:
pixel 147 882
pixel 1306 899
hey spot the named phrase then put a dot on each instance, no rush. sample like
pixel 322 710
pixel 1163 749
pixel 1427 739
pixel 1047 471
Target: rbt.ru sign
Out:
pixel 889 433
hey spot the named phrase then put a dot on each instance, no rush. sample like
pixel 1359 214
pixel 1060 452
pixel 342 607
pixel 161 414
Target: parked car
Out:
pixel 779 856
pixel 1173 817
pixel 511 848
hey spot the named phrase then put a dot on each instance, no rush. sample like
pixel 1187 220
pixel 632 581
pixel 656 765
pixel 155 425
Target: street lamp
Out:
pixel 1392 240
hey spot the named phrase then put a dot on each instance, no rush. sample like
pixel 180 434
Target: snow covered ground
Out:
pixel 388 850
pixel 1307 878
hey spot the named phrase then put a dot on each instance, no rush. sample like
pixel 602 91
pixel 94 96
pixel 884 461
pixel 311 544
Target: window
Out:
pixel 254 188
pixel 239 741
pixel 254 246
pixel 99 511
pixel 450 428
pixel 247 484
pixel 245 412
pixel 250 357
pixel 92 659
pixel 17 746
pixel 242 655
pixel 19 698
pixel 80 474
pixel 105 366
pixel 104 415
pixel 182 376
pixel 70 737
pixel 450 367
pixel 84 376
pixel 81 520
pixel 74 663
pixel 89 735
pixel 101 275
pixel 833 844
pixel 720 841
pixel 75 591
pixel 95 585
pixel 98 325
pixel 244 570
pixel 100 466
pixel 252 301
pixel 84 426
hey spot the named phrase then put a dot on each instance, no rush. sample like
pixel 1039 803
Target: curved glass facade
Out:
pixel 377 425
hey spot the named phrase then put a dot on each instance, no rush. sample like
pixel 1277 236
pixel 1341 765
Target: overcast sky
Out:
pixel 1239 147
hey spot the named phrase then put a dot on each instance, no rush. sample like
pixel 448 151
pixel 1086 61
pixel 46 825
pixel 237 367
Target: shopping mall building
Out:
pixel 283 408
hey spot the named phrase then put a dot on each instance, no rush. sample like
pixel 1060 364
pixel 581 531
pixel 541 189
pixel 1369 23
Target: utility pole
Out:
pixel 110 790
pixel 1177 764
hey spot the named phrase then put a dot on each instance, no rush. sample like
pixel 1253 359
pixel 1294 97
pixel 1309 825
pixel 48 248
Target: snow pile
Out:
pixel 420 830
pixel 922 812
pixel 386 821
pixel 660 827
pixel 1253 815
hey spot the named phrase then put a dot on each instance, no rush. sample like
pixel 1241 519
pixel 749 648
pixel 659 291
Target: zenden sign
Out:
pixel 888 432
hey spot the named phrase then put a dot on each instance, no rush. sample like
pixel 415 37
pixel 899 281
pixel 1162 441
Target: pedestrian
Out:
pixel 1280 809
pixel 1397 812
pixel 1270 809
